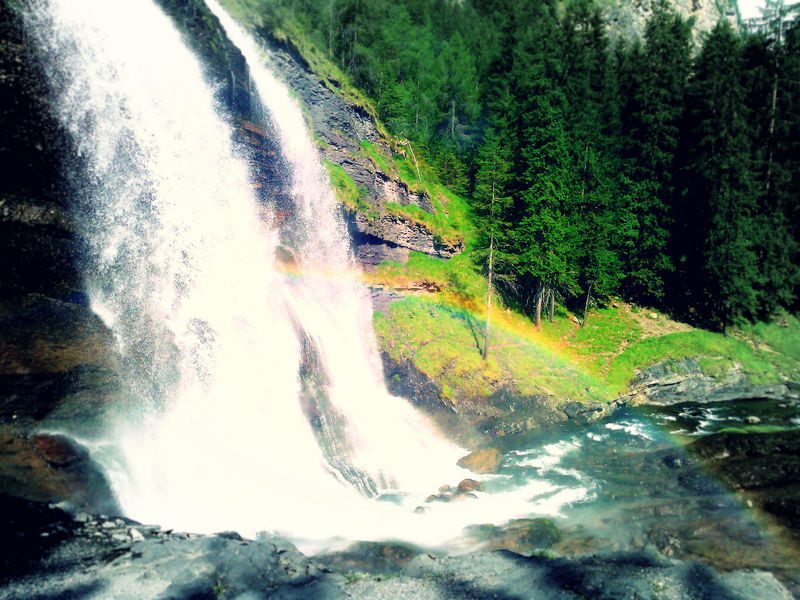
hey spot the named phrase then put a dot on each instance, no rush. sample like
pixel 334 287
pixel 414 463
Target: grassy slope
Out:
pixel 441 332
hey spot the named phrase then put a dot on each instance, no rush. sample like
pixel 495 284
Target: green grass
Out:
pixel 564 358
pixel 452 216
pixel 444 342
pixel 347 191
pixel 780 341
pixel 456 277
pixel 607 332
pixel 713 349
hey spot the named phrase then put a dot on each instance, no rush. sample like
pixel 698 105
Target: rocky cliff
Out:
pixel 627 19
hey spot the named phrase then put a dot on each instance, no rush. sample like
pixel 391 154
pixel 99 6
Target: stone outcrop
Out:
pixel 684 380
pixel 340 128
pixel 52 555
pixel 484 460
pixel 627 19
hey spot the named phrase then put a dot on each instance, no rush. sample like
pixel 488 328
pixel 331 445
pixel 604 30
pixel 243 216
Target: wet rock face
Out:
pixel 92 556
pixel 764 465
pixel 341 127
pixel 57 359
pixel 52 468
pixel 684 381
pixel 38 246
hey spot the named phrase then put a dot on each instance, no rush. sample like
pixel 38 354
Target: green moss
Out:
pixel 452 217
pixel 347 191
pixel 744 429
pixel 692 344
pixel 445 344
pixel 715 366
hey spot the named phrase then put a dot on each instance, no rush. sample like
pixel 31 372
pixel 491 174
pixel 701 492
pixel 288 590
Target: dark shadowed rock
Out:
pixel 470 485
pixel 53 468
pixel 53 556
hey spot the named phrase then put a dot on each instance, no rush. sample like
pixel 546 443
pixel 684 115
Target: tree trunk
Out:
pixel 552 309
pixel 583 175
pixel 489 299
pixel 538 315
pixel 330 28
pixel 586 305
pixel 453 118
pixel 772 116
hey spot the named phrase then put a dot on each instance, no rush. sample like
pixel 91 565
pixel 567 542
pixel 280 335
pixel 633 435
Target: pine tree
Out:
pixel 722 184
pixel 654 80
pixel 492 207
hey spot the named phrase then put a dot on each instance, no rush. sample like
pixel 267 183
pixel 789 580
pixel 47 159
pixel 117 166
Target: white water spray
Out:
pixel 390 440
pixel 211 333
pixel 183 275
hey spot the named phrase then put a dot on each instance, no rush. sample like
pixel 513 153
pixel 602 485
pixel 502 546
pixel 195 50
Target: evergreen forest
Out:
pixel 663 170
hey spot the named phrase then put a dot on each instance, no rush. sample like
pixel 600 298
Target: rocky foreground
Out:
pixel 47 553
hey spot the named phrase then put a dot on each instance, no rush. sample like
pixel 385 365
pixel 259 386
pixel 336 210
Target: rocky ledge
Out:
pixel 684 380
pixel 50 554
pixel 341 127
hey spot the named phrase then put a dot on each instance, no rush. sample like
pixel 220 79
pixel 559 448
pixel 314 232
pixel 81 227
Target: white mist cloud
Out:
pixel 750 8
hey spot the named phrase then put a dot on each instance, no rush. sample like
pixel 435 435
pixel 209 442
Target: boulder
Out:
pixel 469 485
pixel 53 468
pixel 485 460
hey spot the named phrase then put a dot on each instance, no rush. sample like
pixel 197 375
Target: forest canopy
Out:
pixel 660 169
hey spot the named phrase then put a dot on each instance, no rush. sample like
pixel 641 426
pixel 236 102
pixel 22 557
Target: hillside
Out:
pixel 430 296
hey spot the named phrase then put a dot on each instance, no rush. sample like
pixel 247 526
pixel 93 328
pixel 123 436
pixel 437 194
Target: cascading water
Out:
pixel 213 336
pixel 182 273
pixel 389 440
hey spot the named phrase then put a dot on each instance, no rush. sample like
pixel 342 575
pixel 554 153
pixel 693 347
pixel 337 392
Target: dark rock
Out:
pixel 698 482
pixel 39 334
pixel 470 485
pixel 38 247
pixel 370 557
pixel 71 561
pixel 53 468
pixel 674 462
pixel 667 543
pixel 675 382
pixel 766 465
pixel 405 380
pixel 784 503
pixel 372 251
pixel 29 530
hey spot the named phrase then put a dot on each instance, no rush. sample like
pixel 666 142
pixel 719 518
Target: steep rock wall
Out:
pixel 627 19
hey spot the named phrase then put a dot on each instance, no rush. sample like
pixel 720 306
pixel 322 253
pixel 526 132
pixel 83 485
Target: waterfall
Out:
pixel 389 440
pixel 182 268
